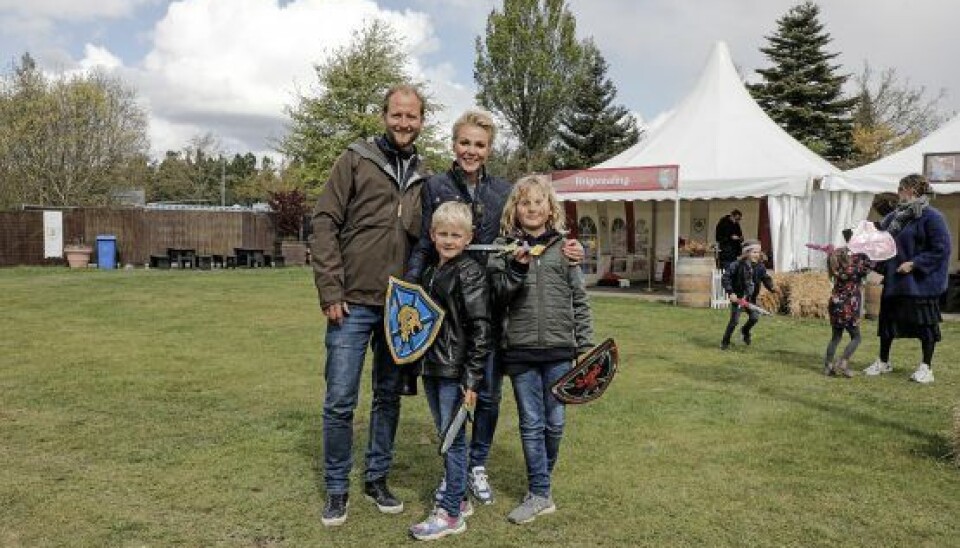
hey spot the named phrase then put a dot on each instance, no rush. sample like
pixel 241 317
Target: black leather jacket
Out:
pixel 744 278
pixel 463 343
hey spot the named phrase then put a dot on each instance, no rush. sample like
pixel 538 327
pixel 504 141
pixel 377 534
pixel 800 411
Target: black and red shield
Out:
pixel 590 376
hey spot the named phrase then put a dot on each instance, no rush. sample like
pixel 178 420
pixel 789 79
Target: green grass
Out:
pixel 183 409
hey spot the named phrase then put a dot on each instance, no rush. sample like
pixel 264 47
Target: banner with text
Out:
pixel 616 179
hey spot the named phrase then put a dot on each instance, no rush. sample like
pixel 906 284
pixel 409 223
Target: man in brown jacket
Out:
pixel 364 225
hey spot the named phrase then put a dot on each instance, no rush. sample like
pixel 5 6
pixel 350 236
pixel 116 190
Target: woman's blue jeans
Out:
pixel 487 413
pixel 541 417
pixel 346 347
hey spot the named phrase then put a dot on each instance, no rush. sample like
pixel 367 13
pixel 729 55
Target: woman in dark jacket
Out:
pixel 914 280
pixel 468 182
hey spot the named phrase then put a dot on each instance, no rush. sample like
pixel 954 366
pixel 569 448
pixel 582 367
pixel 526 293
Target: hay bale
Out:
pixel 775 301
pixel 799 294
pixel 809 294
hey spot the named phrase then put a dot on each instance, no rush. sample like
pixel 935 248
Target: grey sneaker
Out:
pixel 531 507
pixel 479 485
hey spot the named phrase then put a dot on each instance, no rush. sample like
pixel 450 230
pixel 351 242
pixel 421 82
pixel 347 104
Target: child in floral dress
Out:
pixel 847 270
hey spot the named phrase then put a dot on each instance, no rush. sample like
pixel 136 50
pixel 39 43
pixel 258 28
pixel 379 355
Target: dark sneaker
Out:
pixel 377 492
pixel 724 346
pixel 335 511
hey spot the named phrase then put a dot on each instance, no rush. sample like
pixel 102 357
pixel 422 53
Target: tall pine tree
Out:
pixel 802 91
pixel 593 129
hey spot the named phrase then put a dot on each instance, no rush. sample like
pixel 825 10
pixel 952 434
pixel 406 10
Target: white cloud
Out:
pixel 99 57
pixel 229 65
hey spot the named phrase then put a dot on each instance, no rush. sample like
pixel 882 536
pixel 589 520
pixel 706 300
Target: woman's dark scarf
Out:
pixel 905 212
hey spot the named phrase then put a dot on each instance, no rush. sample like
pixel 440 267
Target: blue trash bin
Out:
pixel 106 251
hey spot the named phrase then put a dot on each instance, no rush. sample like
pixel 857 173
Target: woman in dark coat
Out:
pixel 914 280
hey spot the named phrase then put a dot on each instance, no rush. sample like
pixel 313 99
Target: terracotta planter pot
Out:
pixel 78 256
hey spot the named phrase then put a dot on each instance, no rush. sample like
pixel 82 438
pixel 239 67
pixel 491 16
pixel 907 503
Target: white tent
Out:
pixel 884 174
pixel 727 147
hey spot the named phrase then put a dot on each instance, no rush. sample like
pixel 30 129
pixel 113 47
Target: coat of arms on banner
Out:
pixel 411 321
pixel 590 376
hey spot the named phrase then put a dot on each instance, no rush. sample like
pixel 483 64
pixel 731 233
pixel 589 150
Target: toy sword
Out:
pixel 750 306
pixel 464 413
pixel 506 249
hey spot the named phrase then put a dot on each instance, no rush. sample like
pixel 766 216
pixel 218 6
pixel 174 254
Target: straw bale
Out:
pixel 809 294
pixel 775 301
pixel 799 294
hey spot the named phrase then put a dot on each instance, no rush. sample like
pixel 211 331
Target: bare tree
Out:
pixel 68 140
pixel 891 114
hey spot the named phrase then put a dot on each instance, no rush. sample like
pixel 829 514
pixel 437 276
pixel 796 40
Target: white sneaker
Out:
pixel 479 485
pixel 878 368
pixel 923 374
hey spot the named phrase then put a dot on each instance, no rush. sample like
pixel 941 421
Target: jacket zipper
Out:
pixel 539 305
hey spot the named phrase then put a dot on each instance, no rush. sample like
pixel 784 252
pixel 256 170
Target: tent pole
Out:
pixel 676 240
pixel 652 246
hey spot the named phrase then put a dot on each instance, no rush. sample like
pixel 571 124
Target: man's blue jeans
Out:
pixel 346 347
pixel 444 397
pixel 541 417
pixel 487 413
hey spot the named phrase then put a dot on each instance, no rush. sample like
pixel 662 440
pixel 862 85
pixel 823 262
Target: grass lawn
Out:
pixel 162 408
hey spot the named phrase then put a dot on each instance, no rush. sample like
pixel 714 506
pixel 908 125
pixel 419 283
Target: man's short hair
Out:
pixel 407 89
pixel 736 213
pixel 453 213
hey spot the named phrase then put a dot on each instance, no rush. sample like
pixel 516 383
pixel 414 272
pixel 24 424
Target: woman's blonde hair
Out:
pixel 521 189
pixel 452 214
pixel 475 117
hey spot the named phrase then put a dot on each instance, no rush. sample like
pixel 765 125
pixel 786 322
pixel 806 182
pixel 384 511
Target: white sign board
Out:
pixel 52 234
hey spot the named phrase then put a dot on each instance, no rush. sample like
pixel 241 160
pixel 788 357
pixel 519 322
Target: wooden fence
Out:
pixel 139 232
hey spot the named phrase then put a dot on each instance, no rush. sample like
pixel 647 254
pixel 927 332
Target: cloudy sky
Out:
pixel 228 67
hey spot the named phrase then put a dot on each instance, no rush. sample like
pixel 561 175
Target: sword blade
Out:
pixel 491 248
pixel 450 434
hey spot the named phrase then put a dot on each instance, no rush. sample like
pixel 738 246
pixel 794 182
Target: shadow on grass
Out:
pixel 416 465
pixel 930 445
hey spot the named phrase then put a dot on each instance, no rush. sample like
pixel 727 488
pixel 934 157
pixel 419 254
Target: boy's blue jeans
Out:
pixel 444 397
pixel 541 418
pixel 735 310
pixel 487 413
pixel 346 347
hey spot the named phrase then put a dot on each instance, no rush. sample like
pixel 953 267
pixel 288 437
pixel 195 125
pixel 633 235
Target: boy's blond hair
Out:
pixel 476 117
pixel 537 181
pixel 453 213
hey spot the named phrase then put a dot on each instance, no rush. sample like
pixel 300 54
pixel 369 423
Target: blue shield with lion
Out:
pixel 411 321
